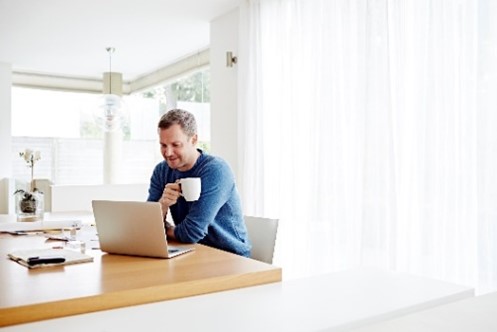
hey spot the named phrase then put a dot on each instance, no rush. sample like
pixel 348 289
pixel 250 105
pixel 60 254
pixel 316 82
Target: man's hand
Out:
pixel 170 196
pixel 170 231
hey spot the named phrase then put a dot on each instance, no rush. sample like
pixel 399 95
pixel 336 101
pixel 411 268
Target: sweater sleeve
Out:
pixel 157 184
pixel 217 185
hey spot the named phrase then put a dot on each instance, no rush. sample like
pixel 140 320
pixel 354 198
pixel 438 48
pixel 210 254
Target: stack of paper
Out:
pixel 39 225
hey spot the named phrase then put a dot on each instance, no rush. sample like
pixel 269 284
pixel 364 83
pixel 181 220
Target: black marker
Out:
pixel 45 260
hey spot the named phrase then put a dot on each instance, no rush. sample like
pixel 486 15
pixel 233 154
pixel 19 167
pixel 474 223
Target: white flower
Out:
pixel 26 154
pixel 37 156
pixel 30 156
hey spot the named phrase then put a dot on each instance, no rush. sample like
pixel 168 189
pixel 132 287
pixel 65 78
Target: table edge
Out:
pixel 67 307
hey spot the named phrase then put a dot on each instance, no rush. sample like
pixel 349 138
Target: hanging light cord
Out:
pixel 110 50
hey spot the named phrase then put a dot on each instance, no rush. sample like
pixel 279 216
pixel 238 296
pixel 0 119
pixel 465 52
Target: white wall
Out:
pixel 5 137
pixel 224 97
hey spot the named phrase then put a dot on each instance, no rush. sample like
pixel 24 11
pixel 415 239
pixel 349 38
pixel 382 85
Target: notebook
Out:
pixel 133 228
pixel 45 256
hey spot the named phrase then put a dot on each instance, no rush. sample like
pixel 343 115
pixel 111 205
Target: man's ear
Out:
pixel 194 139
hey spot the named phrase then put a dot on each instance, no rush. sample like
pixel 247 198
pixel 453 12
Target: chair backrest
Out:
pixel 262 234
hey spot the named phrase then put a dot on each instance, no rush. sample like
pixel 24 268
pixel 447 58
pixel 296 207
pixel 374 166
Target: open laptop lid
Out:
pixel 131 228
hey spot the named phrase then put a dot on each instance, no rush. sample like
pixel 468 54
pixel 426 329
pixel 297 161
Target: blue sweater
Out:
pixel 216 218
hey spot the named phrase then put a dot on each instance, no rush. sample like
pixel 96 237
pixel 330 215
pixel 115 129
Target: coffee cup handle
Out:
pixel 181 190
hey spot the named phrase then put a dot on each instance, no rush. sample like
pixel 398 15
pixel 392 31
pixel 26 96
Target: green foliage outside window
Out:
pixel 194 88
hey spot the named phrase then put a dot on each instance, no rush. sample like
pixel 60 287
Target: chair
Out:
pixel 262 234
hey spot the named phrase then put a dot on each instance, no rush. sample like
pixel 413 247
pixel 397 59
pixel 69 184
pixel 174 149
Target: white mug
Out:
pixel 190 188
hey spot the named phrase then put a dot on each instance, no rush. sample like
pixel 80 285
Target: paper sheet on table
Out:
pixel 39 225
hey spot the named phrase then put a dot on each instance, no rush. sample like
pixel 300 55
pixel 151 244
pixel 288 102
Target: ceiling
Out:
pixel 69 37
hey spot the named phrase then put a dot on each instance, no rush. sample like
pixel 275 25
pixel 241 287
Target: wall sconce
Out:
pixel 230 59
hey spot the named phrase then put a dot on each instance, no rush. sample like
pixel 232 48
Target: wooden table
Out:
pixel 113 281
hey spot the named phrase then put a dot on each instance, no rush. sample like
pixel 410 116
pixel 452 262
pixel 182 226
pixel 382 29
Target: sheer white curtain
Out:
pixel 368 130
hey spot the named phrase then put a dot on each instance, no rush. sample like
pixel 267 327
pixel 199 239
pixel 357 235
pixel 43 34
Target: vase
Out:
pixel 30 205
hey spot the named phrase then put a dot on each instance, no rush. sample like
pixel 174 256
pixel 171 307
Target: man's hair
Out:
pixel 185 119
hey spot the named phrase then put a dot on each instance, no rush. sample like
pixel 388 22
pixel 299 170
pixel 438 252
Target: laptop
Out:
pixel 133 228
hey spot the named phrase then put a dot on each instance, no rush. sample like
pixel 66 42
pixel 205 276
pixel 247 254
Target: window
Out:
pixel 63 126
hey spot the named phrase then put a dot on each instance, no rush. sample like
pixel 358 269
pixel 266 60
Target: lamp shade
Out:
pixel 111 104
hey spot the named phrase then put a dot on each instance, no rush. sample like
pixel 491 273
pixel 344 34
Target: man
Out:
pixel 216 218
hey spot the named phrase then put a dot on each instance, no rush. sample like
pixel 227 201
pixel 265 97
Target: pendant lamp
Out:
pixel 111 104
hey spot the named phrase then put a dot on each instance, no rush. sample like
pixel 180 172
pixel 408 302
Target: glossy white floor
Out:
pixel 332 302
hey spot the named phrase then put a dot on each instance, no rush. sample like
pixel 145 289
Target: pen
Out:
pixel 45 260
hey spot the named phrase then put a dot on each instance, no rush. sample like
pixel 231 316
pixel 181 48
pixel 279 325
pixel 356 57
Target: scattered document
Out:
pixel 10 227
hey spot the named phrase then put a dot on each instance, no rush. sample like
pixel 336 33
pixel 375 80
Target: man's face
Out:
pixel 178 150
